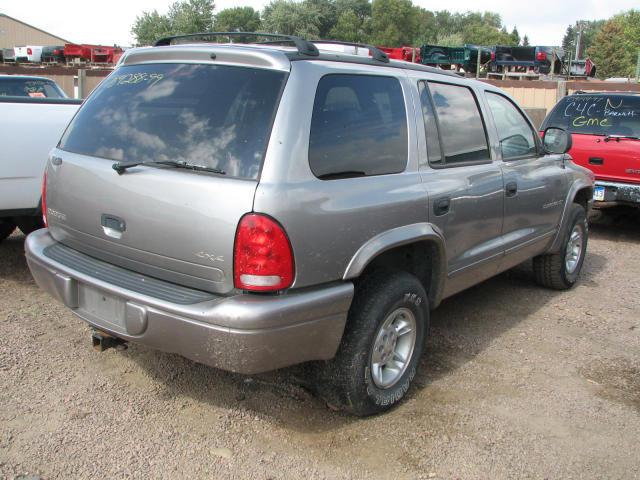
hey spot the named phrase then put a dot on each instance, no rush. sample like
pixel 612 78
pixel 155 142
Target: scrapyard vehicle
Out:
pixel 313 207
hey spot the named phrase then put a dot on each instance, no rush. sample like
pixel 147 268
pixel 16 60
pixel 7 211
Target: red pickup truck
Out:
pixel 606 139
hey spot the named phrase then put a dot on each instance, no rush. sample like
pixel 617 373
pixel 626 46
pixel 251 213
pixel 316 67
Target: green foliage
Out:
pixel 393 22
pixel 589 31
pixel 615 47
pixel 242 19
pixel 349 28
pixel 292 18
pixel 187 16
pixel 525 41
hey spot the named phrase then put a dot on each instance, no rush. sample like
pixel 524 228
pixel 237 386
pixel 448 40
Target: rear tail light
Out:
pixel 541 56
pixel 262 259
pixel 44 199
pixel 29 51
pixel 56 52
pixel 493 56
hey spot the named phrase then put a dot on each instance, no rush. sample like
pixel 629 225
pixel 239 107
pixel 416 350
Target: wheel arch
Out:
pixel 581 192
pixel 418 248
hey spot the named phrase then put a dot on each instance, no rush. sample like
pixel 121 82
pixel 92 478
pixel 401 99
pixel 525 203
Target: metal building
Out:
pixel 13 33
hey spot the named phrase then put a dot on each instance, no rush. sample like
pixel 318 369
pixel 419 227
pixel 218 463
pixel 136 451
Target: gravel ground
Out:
pixel 517 382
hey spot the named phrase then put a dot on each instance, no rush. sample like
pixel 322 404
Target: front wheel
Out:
pixel 381 347
pixel 561 270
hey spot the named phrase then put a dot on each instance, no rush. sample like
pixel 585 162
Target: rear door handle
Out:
pixel 441 206
pixel 510 189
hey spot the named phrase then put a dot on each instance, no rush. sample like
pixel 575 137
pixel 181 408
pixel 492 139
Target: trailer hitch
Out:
pixel 102 341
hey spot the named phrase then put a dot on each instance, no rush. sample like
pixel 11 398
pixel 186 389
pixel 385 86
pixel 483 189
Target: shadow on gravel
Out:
pixel 13 265
pixel 462 327
pixel 616 223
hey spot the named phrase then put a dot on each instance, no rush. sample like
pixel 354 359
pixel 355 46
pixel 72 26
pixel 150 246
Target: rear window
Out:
pixel 20 87
pixel 597 115
pixel 207 115
pixel 358 127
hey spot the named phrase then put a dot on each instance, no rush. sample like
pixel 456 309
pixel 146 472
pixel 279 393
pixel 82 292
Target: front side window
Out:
pixel 358 127
pixel 460 123
pixel 209 115
pixel 514 132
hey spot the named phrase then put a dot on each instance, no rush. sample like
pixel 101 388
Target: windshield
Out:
pixel 35 88
pixel 598 115
pixel 208 115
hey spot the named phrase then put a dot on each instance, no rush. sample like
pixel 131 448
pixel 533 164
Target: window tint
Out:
pixel 35 88
pixel 430 128
pixel 514 132
pixel 597 115
pixel 358 127
pixel 209 115
pixel 461 128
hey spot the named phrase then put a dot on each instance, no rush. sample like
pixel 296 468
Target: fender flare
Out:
pixel 397 237
pixel 573 191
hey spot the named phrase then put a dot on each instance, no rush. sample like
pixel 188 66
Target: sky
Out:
pixel 109 22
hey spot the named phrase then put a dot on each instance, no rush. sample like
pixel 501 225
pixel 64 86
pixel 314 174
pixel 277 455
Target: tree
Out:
pixel 589 30
pixel 292 18
pixel 609 50
pixel 515 36
pixel 525 41
pixel 186 16
pixel 242 19
pixel 393 22
pixel 149 27
pixel 327 14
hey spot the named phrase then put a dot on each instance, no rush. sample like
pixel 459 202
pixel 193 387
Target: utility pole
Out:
pixel 638 68
pixel 579 27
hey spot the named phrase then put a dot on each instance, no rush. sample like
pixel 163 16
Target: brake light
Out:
pixel 541 56
pixel 44 199
pixel 493 56
pixel 29 51
pixel 262 259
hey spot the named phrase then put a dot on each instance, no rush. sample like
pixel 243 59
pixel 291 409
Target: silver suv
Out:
pixel 254 206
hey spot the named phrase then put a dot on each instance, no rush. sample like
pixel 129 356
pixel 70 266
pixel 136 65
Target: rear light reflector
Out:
pixel 541 56
pixel 262 259
pixel 44 199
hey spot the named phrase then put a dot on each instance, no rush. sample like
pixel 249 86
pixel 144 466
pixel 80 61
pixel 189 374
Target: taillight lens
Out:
pixel 541 56
pixel 44 199
pixel 493 56
pixel 29 51
pixel 262 259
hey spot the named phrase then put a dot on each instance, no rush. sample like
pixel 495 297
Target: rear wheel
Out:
pixel 561 270
pixel 6 229
pixel 381 347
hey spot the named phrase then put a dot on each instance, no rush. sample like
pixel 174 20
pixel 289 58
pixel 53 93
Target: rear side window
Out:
pixel 597 115
pixel 209 115
pixel 460 124
pixel 36 88
pixel 358 127
pixel 514 132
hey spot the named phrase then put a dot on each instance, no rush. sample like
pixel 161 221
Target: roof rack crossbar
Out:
pixel 304 47
pixel 375 52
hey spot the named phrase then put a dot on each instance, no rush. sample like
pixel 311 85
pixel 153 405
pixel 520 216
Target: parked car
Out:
pixel 30 126
pixel 29 53
pixel 465 57
pixel 606 139
pixel 538 59
pixel 314 206
pixel 29 86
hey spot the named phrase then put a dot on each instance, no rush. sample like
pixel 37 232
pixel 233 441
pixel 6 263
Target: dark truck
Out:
pixel 538 59
pixel 465 57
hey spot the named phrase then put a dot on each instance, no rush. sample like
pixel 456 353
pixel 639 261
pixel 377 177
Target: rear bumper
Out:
pixel 617 192
pixel 244 333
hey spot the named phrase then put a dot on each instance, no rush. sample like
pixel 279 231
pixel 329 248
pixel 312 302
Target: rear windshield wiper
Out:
pixel 343 174
pixel 617 138
pixel 121 167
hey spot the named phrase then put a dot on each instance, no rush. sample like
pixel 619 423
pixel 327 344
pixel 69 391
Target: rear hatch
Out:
pixel 167 221
pixel 606 133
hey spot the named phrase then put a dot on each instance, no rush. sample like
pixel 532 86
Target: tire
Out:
pixel 353 380
pixel 29 224
pixel 6 229
pixel 561 270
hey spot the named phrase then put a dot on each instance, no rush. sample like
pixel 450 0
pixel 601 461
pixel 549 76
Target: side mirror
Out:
pixel 557 140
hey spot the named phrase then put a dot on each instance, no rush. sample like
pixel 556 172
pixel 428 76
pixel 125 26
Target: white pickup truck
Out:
pixel 34 112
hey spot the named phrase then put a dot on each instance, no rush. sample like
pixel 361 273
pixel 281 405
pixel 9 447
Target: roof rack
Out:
pixel 304 47
pixel 375 52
